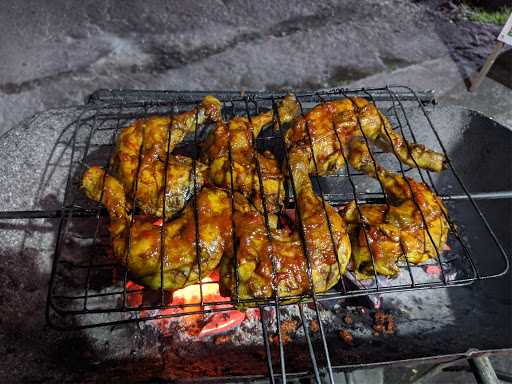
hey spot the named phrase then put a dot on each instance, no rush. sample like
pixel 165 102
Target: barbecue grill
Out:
pixel 88 289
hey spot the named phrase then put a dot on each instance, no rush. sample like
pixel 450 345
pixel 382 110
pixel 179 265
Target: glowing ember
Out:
pixel 221 322
pixel 433 269
pixel 188 300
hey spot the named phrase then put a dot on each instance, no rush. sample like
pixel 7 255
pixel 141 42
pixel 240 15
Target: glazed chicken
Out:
pixel 258 248
pixel 330 127
pixel 138 246
pixel 179 185
pixel 148 141
pixel 311 255
pixel 237 136
pixel 412 228
pixel 254 258
pixel 328 255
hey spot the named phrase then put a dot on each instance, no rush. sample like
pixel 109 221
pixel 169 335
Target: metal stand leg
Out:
pixel 483 370
pixel 479 76
pixel 433 371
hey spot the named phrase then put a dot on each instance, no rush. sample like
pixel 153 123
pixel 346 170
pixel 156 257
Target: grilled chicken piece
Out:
pixel 325 232
pixel 138 246
pixel 328 257
pixel 147 141
pixel 334 124
pixel 237 136
pixel 396 232
pixel 179 189
pixel 254 258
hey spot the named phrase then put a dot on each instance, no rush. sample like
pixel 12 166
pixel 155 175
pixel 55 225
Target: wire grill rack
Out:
pixel 78 295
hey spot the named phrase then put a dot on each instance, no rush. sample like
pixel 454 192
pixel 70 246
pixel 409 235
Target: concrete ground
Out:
pixel 55 53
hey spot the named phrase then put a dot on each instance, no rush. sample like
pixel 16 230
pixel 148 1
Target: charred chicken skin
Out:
pixel 237 136
pixel 330 127
pixel 259 247
pixel 412 228
pixel 138 245
pixel 142 151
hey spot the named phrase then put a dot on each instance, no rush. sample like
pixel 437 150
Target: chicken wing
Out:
pixel 180 185
pixel 141 152
pixel 330 127
pixel 237 136
pixel 138 246
pixel 413 229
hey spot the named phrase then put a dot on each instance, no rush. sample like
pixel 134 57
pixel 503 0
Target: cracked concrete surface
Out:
pixel 55 54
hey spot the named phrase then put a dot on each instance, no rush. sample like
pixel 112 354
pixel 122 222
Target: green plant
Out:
pixel 498 17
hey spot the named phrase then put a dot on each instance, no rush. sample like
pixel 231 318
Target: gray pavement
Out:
pixel 55 53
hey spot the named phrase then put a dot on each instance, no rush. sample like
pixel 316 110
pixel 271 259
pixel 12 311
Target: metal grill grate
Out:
pixel 78 295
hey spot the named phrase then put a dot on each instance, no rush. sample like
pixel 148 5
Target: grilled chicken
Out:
pixel 138 246
pixel 330 127
pixel 179 185
pixel 325 232
pixel 142 150
pixel 259 247
pixel 255 253
pixel 237 136
pixel 313 254
pixel 413 228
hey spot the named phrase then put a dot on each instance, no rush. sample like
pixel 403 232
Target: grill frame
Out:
pixel 72 211
pixel 122 101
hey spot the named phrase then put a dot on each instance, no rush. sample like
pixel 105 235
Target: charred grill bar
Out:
pixel 77 304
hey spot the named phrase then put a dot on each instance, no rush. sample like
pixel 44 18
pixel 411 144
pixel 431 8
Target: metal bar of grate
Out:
pixel 232 192
pixel 132 219
pixel 196 214
pixel 311 351
pixel 453 227
pixel 163 227
pixel 98 209
pixel 109 97
pixel 266 342
pixel 333 198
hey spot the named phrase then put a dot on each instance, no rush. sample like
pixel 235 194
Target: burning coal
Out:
pixel 214 317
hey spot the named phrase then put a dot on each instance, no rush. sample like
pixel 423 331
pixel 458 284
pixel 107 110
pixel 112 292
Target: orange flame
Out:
pixel 187 300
